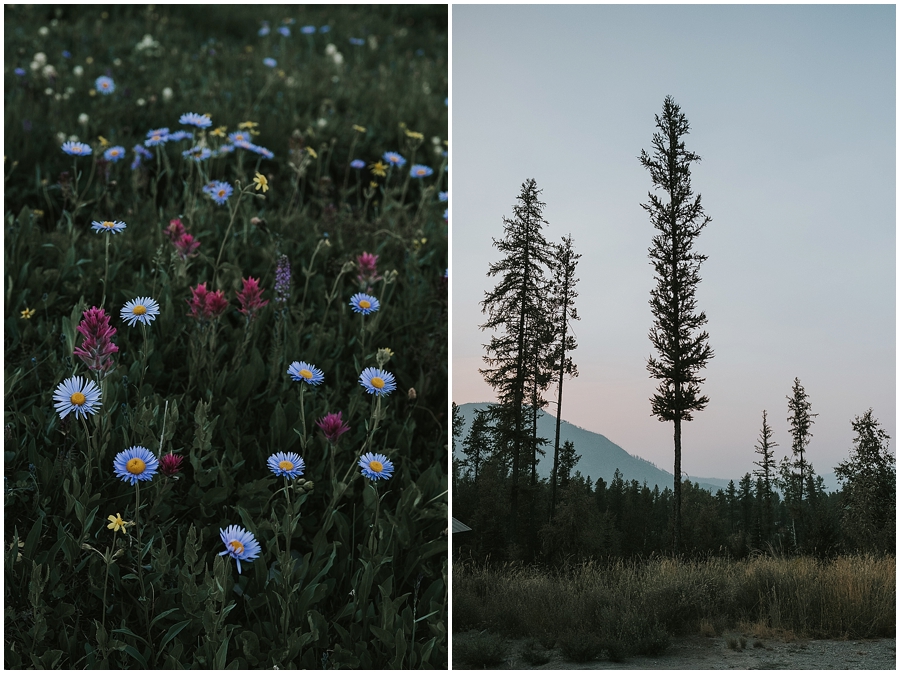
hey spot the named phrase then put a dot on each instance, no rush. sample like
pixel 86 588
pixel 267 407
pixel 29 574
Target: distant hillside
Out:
pixel 600 457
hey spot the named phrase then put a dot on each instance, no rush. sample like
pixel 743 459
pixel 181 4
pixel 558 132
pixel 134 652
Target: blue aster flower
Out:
pixel 180 135
pixel 108 226
pixel 264 30
pixel 141 310
pixel 164 131
pixel 78 395
pixel 193 119
pixel 357 41
pixel 270 62
pixel 239 137
pixel 260 150
pixel 393 158
pixel 142 151
pixel 364 304
pixel 20 72
pixel 377 382
pixel 197 153
pixel 288 464
pixel 358 164
pixel 219 191
pixel 308 30
pixel 135 463
pixel 76 149
pixel 376 466
pixel 157 137
pixel 442 196
pixel 285 31
pixel 105 85
pixel 114 154
pixel 304 372
pixel 420 171
pixel 239 544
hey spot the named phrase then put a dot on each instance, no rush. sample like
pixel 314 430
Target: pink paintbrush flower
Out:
pixel 368 272
pixel 97 348
pixel 206 305
pixel 170 464
pixel 186 246
pixel 332 426
pixel 251 297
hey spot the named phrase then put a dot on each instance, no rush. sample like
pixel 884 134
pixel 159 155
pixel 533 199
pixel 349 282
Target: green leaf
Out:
pixel 133 652
pixel 173 632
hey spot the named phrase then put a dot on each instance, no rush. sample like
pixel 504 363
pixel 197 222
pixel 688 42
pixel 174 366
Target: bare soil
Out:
pixel 697 652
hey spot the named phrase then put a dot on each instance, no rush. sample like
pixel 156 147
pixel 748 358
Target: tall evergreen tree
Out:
pixel 766 473
pixel 681 344
pixel 512 307
pixel 568 459
pixel 477 445
pixel 800 420
pixel 869 479
pixel 563 304
pixel 458 423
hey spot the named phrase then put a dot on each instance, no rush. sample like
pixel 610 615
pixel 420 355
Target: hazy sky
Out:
pixel 792 110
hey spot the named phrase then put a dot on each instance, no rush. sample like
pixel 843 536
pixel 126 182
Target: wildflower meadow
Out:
pixel 225 336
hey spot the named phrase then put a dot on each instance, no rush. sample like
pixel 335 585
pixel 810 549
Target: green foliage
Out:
pixel 348 577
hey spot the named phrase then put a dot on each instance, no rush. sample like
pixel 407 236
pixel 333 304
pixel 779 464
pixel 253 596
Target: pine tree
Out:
pixel 458 423
pixel 514 308
pixel 563 303
pixel 869 479
pixel 766 473
pixel 676 333
pixel 477 445
pixel 568 459
pixel 800 420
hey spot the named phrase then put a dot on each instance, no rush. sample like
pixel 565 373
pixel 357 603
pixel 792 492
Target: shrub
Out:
pixel 482 651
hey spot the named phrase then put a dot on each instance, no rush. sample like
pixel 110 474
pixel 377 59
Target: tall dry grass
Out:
pixel 637 603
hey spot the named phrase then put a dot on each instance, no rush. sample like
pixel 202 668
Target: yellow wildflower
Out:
pixel 261 182
pixel 415 134
pixel 360 129
pixel 28 313
pixel 38 213
pixel 379 169
pixel 219 131
pixel 248 125
pixel 116 522
pixel 312 153
pixel 103 142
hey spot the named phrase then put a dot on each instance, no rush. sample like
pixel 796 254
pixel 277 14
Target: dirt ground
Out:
pixel 698 652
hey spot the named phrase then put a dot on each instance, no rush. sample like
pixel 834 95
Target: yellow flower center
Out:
pixel 286 465
pixel 108 224
pixel 421 172
pixel 156 136
pixel 135 466
pixel 375 466
pixel 221 193
pixel 237 546
pixel 139 310
pixel 364 304
pixel 306 374
pixel 77 398
pixel 378 382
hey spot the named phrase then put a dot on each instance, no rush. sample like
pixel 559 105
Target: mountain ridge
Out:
pixel 600 456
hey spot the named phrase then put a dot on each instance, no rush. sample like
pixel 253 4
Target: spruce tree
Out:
pixel 477 445
pixel 800 420
pixel 677 335
pixel 563 305
pixel 869 479
pixel 766 473
pixel 514 307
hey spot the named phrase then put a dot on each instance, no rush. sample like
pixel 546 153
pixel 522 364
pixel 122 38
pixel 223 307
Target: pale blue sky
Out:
pixel 792 109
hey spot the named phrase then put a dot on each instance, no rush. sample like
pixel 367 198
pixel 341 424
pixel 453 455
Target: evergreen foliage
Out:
pixel 869 481
pixel 677 335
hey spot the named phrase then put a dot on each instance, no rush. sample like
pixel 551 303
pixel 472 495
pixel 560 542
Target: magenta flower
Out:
pixel 186 246
pixel 368 273
pixel 170 464
pixel 332 426
pixel 175 230
pixel 251 297
pixel 206 305
pixel 97 348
